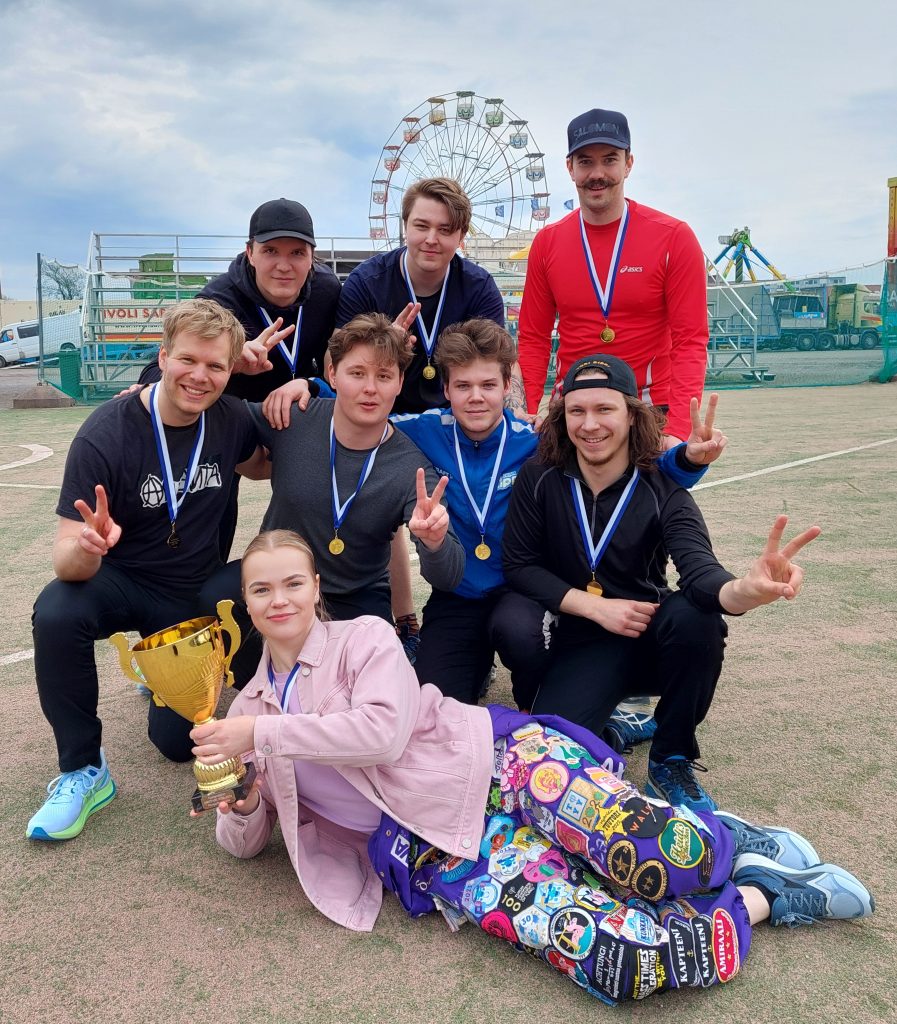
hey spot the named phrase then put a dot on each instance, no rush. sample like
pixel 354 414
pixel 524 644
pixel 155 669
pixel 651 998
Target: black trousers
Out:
pixel 679 658
pixel 68 619
pixel 225 584
pixel 460 636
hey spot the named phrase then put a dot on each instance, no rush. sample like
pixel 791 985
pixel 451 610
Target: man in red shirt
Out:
pixel 619 275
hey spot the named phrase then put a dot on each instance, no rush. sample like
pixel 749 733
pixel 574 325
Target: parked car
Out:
pixel 21 342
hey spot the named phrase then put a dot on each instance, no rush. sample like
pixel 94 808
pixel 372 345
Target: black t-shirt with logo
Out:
pixel 116 447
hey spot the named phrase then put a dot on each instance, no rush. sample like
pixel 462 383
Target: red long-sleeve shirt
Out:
pixel 658 311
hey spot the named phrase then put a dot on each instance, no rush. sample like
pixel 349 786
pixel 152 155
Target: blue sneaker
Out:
pixel 778 844
pixel 807 895
pixel 674 780
pixel 626 729
pixel 74 796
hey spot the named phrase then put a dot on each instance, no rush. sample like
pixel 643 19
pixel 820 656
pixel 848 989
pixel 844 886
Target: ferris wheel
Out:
pixel 480 143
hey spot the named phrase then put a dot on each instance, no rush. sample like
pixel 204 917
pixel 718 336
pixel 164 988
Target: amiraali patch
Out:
pixel 621 858
pixel 650 880
pixel 725 945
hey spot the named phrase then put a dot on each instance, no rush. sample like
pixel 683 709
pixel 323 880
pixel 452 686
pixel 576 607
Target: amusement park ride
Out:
pixel 737 247
pixel 480 143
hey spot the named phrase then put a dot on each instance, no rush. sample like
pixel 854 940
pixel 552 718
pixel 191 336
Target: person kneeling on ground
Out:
pixel 145 484
pixel 590 529
pixel 527 828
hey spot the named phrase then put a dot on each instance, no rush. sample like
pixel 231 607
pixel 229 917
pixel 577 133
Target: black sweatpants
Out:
pixel 460 636
pixel 67 620
pixel 225 583
pixel 679 658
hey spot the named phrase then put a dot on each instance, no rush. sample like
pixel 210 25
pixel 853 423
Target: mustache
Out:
pixel 598 183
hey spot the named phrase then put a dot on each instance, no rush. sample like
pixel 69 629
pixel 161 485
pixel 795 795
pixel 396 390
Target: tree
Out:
pixel 62 281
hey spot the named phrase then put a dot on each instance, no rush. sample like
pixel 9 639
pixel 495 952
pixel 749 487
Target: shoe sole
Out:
pixel 811 857
pixel 102 798
pixel 653 790
pixel 849 883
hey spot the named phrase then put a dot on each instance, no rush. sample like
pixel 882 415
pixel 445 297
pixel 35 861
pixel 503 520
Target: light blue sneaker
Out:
pixel 674 780
pixel 74 796
pixel 778 844
pixel 804 896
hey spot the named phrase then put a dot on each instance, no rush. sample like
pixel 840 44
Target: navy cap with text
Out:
pixel 281 218
pixel 618 376
pixel 607 126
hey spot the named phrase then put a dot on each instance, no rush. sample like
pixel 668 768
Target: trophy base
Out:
pixel 208 800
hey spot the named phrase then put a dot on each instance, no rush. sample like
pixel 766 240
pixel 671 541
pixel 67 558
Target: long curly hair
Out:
pixel 645 435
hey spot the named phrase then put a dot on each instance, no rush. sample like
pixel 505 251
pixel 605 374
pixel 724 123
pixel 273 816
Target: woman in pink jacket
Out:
pixel 520 824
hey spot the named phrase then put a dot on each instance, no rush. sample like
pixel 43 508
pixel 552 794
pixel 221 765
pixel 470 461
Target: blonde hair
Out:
pixel 446 191
pixel 207 320
pixel 271 540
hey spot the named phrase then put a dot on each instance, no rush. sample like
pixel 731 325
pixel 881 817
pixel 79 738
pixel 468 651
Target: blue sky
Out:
pixel 162 116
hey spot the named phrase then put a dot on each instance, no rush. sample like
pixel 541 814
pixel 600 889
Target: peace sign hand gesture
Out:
pixel 101 532
pixel 429 521
pixel 254 357
pixel 405 319
pixel 705 442
pixel 771 576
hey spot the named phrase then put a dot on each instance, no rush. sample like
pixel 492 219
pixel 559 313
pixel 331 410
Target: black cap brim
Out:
pixel 266 236
pixel 601 140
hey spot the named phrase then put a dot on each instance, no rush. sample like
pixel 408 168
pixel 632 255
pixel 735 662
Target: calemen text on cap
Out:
pixel 607 126
pixel 618 376
pixel 281 218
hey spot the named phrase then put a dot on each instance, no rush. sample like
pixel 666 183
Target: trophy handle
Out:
pixel 229 626
pixel 120 642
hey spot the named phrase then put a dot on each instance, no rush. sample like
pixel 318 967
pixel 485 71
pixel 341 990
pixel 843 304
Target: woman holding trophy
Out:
pixel 521 824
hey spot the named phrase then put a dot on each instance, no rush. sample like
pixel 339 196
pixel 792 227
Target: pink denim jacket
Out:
pixel 424 759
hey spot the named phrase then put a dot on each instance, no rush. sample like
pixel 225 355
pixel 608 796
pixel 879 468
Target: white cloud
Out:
pixel 163 116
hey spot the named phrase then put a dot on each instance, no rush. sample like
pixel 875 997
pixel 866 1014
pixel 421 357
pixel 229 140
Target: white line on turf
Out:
pixel 789 465
pixel 39 452
pixel 11 659
pixel 34 487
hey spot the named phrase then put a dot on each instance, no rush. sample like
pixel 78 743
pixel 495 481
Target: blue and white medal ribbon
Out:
pixel 482 550
pixel 168 481
pixel 336 546
pixel 595 551
pixel 605 297
pixel 284 698
pixel 428 338
pixel 290 354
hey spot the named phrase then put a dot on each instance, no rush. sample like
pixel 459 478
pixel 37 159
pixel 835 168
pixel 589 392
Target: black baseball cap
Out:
pixel 281 218
pixel 618 375
pixel 607 126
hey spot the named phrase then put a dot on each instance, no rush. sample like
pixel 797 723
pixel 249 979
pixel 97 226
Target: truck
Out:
pixel 813 317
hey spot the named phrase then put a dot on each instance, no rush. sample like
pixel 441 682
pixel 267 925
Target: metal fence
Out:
pixel 836 328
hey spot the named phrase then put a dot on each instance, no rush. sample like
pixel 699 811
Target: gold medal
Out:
pixel 594 587
pixel 336 546
pixel 608 334
pixel 482 551
pixel 429 371
pixel 174 541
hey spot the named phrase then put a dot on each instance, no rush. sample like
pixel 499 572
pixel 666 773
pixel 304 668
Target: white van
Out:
pixel 20 342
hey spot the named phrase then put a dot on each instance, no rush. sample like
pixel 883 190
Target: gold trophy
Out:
pixel 185 667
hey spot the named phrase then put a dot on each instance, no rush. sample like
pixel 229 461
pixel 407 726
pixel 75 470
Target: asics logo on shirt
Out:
pixel 626 269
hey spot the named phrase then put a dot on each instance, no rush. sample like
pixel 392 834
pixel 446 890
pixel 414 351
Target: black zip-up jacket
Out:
pixel 544 555
pixel 236 290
